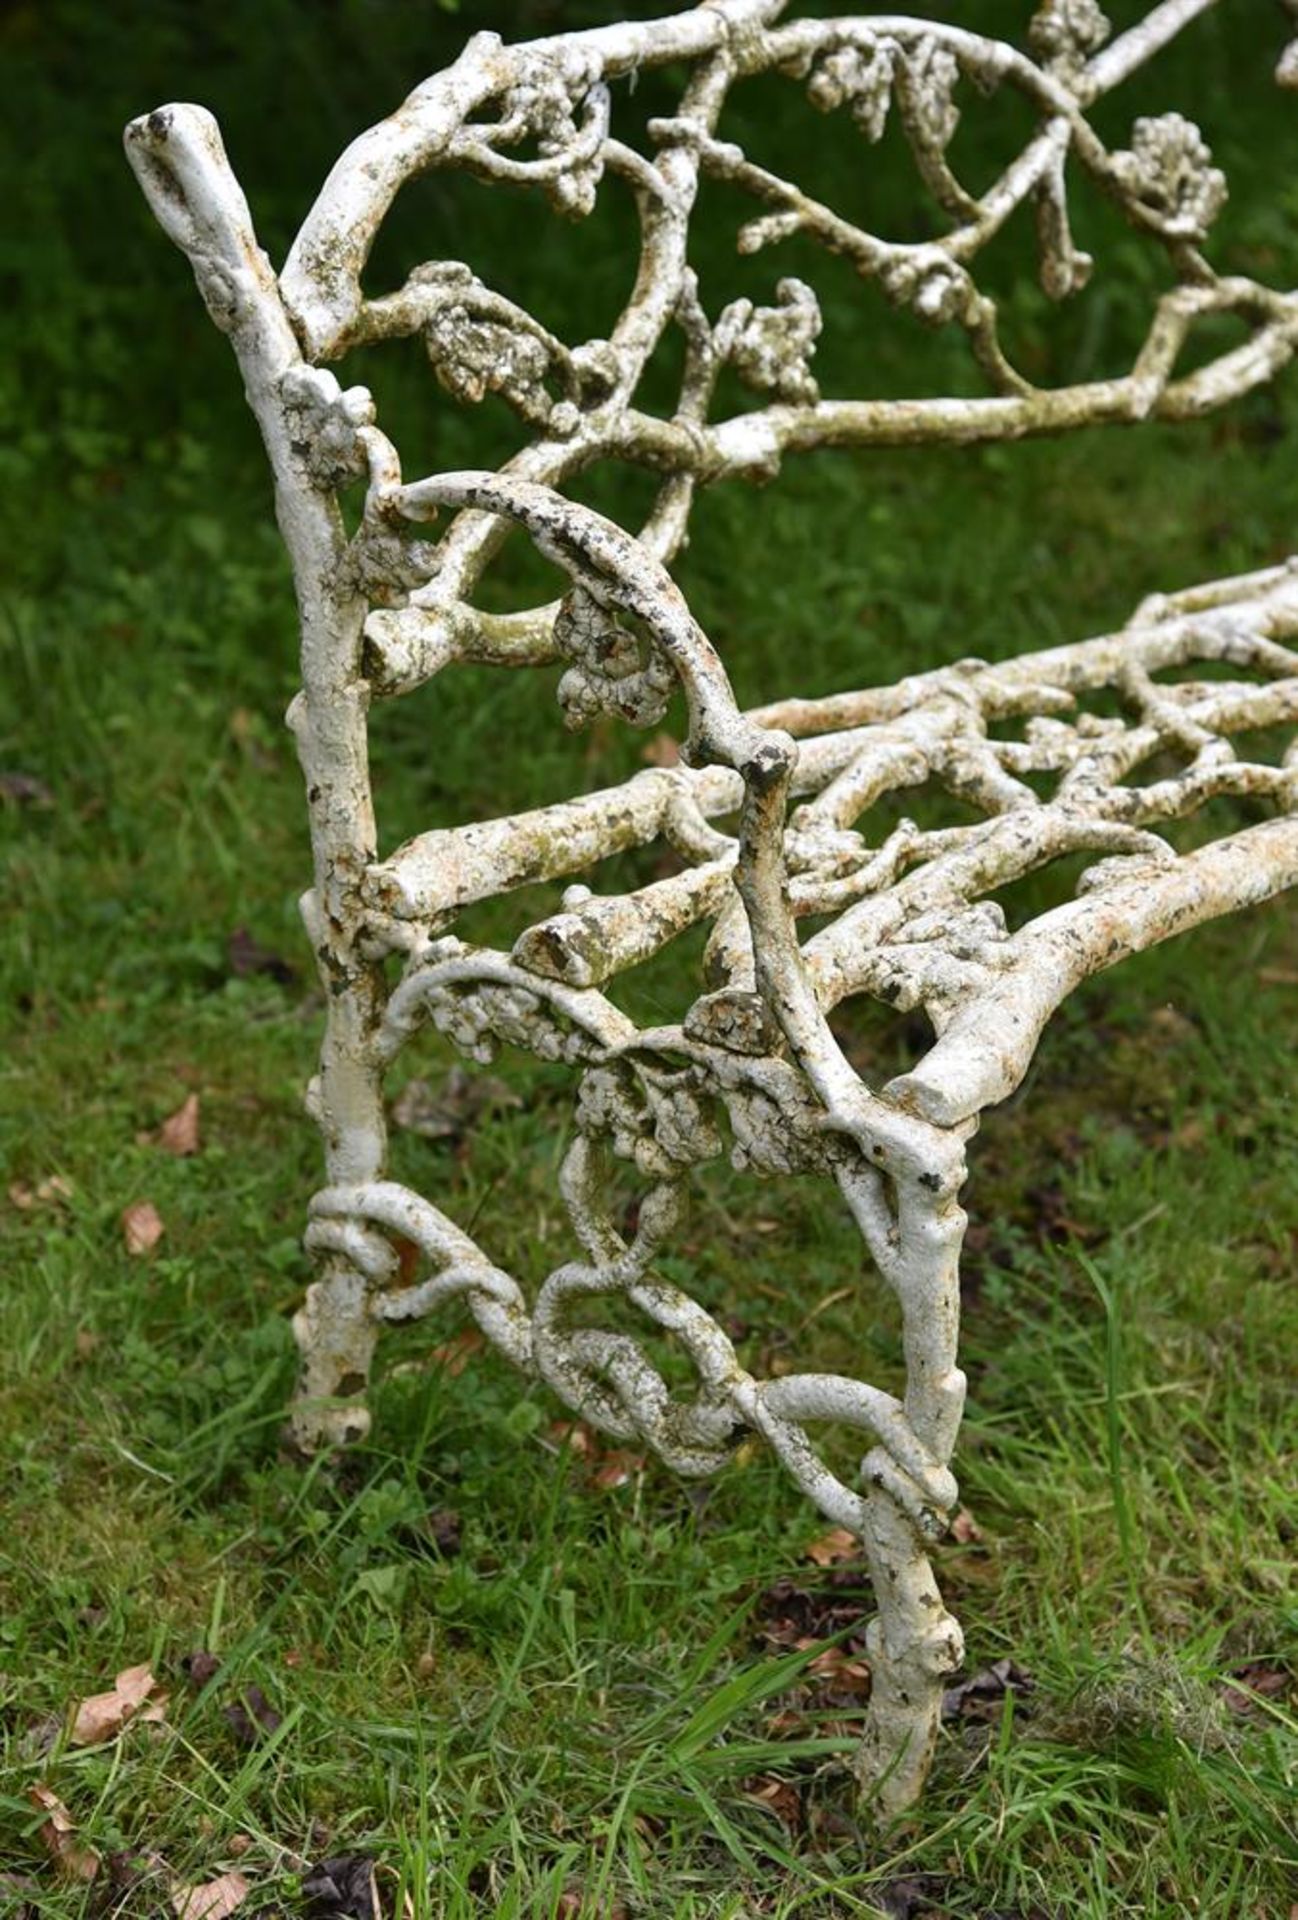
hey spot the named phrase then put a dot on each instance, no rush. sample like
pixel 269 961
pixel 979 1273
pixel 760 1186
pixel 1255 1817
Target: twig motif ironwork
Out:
pixel 752 1066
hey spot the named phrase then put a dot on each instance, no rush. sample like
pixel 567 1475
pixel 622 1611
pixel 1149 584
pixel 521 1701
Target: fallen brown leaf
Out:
pixel 980 1696
pixel 51 1192
pixel 965 1529
pixel 103 1715
pixel 58 1836
pixel 211 1901
pixel 443 1525
pixel 794 1616
pixel 909 1898
pixel 410 1257
pixel 178 1133
pixel 836 1665
pixel 247 731
pixel 781 1796
pixel 14 1903
pixel 343 1888
pixel 1247 1685
pixel 24 789
pixel 832 1548
pixel 251 1717
pixel 1169 1023
pixel 786 1721
pixel 453 1355
pixel 662 751
pixel 247 957
pixel 572 1902
pixel 142 1228
pixel 200 1667
pixel 450 1111
pixel 616 1469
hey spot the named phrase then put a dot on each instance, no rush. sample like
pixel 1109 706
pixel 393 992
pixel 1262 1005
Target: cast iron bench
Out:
pixel 768 816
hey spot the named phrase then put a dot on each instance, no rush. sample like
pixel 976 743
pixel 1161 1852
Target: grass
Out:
pixel 589 1701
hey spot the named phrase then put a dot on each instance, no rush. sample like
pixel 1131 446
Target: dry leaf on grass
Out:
pixel 178 1133
pixel 247 957
pixel 792 1616
pixel 965 1529
pixel 14 1904
pixel 572 1902
pixel 835 1664
pixel 604 1467
pixel 443 1527
pixel 1250 1685
pixel 213 1900
pixel 142 1227
pixel 103 1715
pixel 832 1548
pixel 662 751
pixel 980 1696
pixel 453 1355
pixel 58 1836
pixel 574 1434
pixel 51 1192
pixel 247 730
pixel 617 1469
pixel 24 789
pixel 343 1888
pixel 199 1667
pixel 781 1796
pixel 450 1111
pixel 909 1898
pixel 251 1718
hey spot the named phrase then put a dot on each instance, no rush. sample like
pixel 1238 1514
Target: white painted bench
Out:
pixel 769 814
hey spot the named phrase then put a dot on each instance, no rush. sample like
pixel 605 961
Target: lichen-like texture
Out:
pixel 769 813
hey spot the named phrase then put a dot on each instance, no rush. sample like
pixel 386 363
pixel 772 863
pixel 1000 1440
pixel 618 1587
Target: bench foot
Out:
pixel 335 1334
pixel 914 1646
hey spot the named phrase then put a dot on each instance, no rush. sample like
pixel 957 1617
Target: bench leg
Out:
pixel 335 1330
pixel 335 1334
pixel 914 1644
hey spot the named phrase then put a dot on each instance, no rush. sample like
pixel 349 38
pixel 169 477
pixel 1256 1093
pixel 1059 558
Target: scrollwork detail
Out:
pixel 1064 32
pixel 658 1119
pixel 480 1017
pixel 543 104
pixel 926 80
pixel 771 348
pixel 859 76
pixel 611 670
pixel 1168 174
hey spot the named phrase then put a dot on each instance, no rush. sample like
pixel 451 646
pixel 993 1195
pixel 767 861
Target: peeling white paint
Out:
pixel 751 1067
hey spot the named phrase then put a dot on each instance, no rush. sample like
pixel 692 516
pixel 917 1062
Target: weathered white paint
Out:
pixel 751 1067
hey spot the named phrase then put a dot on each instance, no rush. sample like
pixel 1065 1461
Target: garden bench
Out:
pixel 768 816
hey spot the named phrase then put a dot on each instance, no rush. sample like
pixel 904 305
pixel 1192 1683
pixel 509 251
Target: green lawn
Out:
pixel 524 1679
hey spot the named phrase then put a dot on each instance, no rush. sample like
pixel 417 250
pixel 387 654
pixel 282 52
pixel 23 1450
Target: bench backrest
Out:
pixel 557 116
